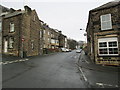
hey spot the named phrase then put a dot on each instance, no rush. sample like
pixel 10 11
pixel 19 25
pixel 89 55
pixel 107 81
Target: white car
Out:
pixel 67 50
pixel 63 49
pixel 78 50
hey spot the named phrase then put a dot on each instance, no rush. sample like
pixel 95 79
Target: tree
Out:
pixel 72 43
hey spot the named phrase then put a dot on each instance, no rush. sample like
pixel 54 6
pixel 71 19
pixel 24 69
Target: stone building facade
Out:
pixel 24 34
pixel 63 41
pixel 103 34
pixel 3 10
pixel 50 39
pixel 21 33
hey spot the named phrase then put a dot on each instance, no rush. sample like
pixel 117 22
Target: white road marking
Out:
pixel 16 60
pixel 1 63
pixel 86 61
pixel 5 63
pixel 26 59
pixel 83 74
pixel 20 60
pixel 102 84
pixel 75 56
pixel 9 62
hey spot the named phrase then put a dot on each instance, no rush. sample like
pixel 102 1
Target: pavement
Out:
pixel 98 76
pixel 88 64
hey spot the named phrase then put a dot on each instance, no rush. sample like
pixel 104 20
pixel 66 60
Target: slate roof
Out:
pixel 3 9
pixel 13 14
pixel 107 5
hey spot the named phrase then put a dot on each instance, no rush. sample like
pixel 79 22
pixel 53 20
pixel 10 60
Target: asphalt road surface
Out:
pixel 50 71
pixel 58 70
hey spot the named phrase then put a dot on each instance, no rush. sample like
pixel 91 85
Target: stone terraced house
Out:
pixel 24 34
pixel 103 34
pixel 21 33
pixel 2 10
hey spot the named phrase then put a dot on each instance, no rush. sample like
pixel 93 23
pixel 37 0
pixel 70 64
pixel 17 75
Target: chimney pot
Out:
pixel 27 9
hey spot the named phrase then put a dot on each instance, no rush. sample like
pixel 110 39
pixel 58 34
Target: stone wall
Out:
pixel 94 30
pixel 16 35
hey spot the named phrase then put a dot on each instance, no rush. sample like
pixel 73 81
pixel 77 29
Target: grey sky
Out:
pixel 65 15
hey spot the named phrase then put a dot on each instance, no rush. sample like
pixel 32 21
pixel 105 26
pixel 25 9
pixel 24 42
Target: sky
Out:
pixel 68 16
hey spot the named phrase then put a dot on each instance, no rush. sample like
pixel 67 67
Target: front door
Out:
pixel 5 46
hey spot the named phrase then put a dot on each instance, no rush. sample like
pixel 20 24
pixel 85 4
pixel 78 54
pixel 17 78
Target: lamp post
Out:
pixel 85 34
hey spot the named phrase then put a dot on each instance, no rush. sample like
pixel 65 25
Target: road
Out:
pixel 50 71
pixel 58 70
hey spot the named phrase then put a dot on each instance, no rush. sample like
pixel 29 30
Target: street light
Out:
pixel 85 34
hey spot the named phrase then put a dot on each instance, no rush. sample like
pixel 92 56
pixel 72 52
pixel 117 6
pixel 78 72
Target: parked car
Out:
pixel 63 49
pixel 78 50
pixel 70 50
pixel 67 50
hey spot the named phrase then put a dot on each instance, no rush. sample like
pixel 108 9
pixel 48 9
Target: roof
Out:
pixel 107 5
pixel 3 9
pixel 13 14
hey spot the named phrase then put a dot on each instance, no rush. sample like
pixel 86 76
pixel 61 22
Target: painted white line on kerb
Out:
pixel 106 84
pixel 10 62
pixel 100 84
pixel 26 59
pixel 16 60
pixel 82 74
pixel 1 63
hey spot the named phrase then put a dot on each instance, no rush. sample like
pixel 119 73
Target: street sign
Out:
pixel 23 39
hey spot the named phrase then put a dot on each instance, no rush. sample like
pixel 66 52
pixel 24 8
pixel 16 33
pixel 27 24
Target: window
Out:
pixel 44 38
pixel 52 41
pixel 48 39
pixel 103 44
pixel 12 27
pixel 40 34
pixel 0 26
pixel 44 46
pixel 106 22
pixel 11 42
pixel 48 33
pixel 44 31
pixel 108 46
pixel 57 41
pixel 32 45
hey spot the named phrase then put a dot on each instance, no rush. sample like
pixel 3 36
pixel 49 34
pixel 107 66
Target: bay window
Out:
pixel 108 46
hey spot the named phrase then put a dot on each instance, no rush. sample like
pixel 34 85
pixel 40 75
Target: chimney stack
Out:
pixel 27 9
pixel 12 10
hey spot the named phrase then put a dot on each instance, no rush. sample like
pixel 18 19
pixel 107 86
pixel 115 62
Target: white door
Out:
pixel 5 46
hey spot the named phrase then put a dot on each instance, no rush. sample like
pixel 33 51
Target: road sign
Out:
pixel 23 39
